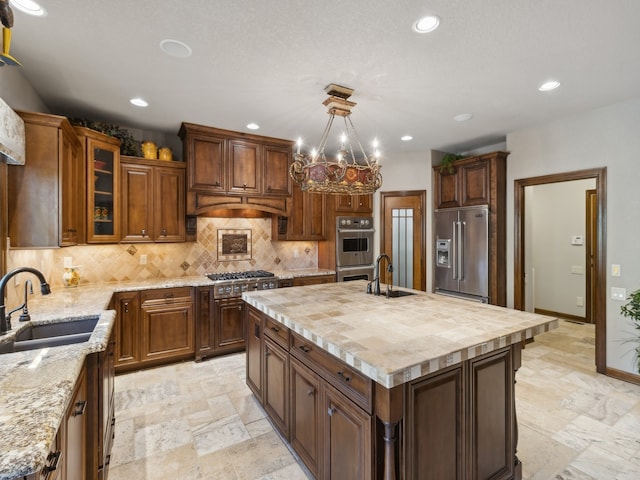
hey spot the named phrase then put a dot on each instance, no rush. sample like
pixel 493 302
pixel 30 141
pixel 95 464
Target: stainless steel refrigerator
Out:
pixel 462 252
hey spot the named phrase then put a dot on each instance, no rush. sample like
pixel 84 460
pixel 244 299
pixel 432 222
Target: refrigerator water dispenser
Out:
pixel 443 248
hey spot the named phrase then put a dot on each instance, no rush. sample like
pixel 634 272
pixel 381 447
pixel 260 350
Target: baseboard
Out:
pixel 624 376
pixel 564 316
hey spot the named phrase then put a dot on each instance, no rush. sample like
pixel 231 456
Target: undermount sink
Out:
pixel 400 293
pixel 51 335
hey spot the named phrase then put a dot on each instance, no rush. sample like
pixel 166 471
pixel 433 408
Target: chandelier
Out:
pixel 345 174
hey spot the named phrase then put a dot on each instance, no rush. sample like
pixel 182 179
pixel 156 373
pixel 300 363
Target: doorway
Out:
pixel 402 236
pixel 596 289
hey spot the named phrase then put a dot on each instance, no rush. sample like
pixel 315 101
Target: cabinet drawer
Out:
pixel 349 381
pixel 277 332
pixel 166 295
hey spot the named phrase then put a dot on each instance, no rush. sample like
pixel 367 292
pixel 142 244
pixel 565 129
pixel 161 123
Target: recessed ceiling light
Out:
pixel 29 7
pixel 406 138
pixel 253 126
pixel 175 48
pixel 550 85
pixel 426 24
pixel 139 102
pixel 463 117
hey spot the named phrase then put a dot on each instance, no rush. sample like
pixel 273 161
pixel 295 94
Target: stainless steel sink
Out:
pixel 51 335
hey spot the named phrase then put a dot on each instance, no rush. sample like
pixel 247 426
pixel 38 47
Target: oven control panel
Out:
pixel 354 223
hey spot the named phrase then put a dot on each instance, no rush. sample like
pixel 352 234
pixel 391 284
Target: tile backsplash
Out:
pixel 118 262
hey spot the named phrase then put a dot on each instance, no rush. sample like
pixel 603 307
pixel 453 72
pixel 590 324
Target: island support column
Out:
pixel 389 407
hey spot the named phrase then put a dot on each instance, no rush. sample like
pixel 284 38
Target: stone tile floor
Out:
pixel 199 421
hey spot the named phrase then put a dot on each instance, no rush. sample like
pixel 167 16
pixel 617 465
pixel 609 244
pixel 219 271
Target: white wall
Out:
pixel 555 268
pixel 607 137
pixel 18 92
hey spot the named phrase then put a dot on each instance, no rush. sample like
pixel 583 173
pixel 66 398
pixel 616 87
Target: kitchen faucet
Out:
pixel 376 273
pixel 44 288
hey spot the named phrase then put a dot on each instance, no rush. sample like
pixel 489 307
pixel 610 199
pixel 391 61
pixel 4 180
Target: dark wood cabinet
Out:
pixel 255 324
pixel 154 327
pixel 102 156
pixel 153 200
pixel 101 410
pixel 55 169
pixel 306 280
pixel 306 220
pixel 306 415
pixel 220 325
pixel 74 433
pixel 127 329
pixel 347 438
pixel 354 204
pixel 276 384
pixel 227 169
pixel 480 180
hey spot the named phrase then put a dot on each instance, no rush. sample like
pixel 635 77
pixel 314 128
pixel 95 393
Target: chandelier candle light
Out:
pixel 346 174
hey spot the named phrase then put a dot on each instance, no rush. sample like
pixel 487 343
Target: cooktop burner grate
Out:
pixel 240 275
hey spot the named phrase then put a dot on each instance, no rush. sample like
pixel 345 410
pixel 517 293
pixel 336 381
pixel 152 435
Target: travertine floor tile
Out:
pixel 199 421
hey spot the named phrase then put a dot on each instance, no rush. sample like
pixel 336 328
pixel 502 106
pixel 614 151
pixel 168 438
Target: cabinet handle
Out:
pixel 52 459
pixel 108 460
pixel 275 329
pixel 217 184
pixel 311 391
pixel 268 188
pixel 304 348
pixel 168 297
pixel 239 307
pixel 331 411
pixel 80 408
pixel 126 307
pixel 164 232
pixel 244 186
pixel 256 330
pixel 344 377
pixel 143 232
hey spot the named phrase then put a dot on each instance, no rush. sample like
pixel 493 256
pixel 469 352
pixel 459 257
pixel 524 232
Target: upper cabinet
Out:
pixel 46 206
pixel 102 154
pixel 153 200
pixel 228 169
pixel 472 181
pixel 306 220
pixel 354 204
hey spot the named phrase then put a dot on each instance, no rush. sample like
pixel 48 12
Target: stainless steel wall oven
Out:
pixel 354 248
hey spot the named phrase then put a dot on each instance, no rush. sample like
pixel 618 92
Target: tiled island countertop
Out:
pixel 395 340
pixel 36 386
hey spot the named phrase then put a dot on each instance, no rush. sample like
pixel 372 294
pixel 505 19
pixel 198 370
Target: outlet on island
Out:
pixel 143 259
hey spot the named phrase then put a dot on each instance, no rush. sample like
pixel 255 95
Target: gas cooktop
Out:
pixel 250 274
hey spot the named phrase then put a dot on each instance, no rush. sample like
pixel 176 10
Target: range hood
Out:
pixel 12 138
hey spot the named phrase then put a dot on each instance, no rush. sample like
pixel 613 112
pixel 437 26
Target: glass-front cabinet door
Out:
pixel 103 180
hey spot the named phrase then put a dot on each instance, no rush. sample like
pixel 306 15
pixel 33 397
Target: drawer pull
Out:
pixel 305 349
pixel 311 391
pixel 52 460
pixel 275 329
pixel 80 408
pixel 143 232
pixel 331 411
pixel 344 377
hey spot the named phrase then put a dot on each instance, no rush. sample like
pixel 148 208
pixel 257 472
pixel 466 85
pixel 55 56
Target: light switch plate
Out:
pixel 618 294
pixel 615 270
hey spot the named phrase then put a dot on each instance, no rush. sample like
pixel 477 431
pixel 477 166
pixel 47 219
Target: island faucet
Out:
pixel 44 288
pixel 376 273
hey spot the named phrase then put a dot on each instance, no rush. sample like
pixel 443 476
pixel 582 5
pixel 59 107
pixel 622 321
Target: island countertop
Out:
pixel 395 340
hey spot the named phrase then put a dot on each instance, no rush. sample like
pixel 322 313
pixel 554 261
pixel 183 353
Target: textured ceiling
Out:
pixel 269 61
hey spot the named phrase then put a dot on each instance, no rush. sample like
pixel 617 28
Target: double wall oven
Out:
pixel 220 326
pixel 354 248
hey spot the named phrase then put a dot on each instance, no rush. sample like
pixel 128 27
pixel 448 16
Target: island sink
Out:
pixel 399 293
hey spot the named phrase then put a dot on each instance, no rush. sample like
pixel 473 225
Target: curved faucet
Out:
pixel 44 288
pixel 28 289
pixel 376 273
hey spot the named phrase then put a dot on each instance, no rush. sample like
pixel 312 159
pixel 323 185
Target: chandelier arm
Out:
pixel 325 136
pixel 355 134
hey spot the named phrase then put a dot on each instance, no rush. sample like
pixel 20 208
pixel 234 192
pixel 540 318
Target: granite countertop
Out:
pixel 395 340
pixel 36 386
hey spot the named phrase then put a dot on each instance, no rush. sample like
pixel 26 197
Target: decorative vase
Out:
pixel 71 277
pixel 149 150
pixel 165 154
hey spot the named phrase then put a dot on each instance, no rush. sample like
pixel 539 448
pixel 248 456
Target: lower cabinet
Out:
pixel 330 431
pixel 309 280
pixel 220 327
pixel 74 433
pixel 154 327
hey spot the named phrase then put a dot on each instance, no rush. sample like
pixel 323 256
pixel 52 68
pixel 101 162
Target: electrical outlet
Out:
pixel 143 259
pixel 577 269
pixel 618 294
pixel 579 301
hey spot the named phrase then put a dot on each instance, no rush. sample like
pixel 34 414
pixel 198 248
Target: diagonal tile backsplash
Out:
pixel 118 262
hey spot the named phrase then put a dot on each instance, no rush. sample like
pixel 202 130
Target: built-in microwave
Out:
pixel 354 241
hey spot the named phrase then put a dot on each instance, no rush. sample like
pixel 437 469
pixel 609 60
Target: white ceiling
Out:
pixel 269 61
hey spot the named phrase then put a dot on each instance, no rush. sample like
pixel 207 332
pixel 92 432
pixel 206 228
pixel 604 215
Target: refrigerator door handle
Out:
pixel 454 251
pixel 461 226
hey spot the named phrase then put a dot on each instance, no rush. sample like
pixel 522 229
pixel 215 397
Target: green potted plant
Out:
pixel 632 310
pixel 447 161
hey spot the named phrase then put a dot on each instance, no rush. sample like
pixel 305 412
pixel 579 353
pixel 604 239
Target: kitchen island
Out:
pixel 363 386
